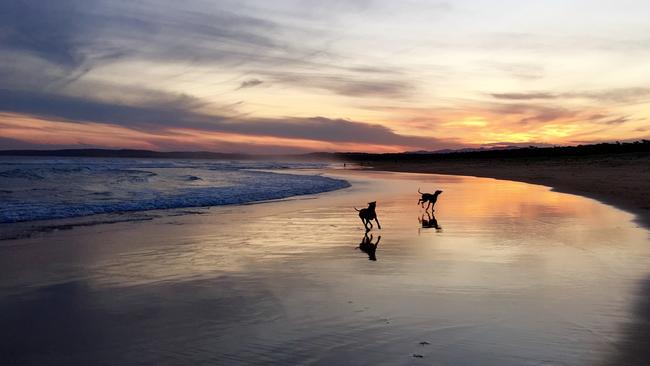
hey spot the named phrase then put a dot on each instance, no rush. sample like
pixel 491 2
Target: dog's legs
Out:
pixel 377 220
pixel 428 205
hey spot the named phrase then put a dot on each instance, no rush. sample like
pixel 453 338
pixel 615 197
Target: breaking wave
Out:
pixel 39 189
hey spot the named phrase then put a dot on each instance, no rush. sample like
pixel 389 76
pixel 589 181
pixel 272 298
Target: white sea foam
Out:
pixel 38 189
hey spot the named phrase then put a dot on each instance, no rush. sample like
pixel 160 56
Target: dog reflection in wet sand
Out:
pixel 368 247
pixel 368 214
pixel 430 222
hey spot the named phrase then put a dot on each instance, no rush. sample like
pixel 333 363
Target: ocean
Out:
pixel 56 188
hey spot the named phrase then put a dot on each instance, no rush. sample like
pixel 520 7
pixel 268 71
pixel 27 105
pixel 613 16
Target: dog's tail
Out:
pixel 357 209
pixel 419 190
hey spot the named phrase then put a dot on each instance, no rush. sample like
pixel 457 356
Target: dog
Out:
pixel 368 214
pixel 430 198
pixel 368 247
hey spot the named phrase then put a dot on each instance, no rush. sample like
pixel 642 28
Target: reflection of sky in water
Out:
pixel 517 275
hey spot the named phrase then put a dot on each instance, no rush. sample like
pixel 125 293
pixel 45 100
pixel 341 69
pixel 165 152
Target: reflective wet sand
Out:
pixel 505 273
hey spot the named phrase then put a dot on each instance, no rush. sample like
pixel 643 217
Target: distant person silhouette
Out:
pixel 368 247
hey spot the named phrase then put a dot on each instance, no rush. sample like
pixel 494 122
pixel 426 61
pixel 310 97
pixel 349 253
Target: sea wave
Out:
pixel 81 187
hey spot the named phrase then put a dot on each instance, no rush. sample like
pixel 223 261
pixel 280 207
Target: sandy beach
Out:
pixel 505 273
pixel 618 179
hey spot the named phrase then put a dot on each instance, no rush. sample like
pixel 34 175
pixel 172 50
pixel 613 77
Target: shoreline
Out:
pixel 627 193
pixel 620 181
pixel 46 189
pixel 22 230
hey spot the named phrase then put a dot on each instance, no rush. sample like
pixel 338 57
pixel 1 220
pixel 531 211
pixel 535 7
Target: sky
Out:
pixel 281 76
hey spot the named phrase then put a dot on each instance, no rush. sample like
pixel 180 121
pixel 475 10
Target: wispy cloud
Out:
pixel 617 121
pixel 250 83
pixel 614 95
pixel 347 85
pixel 524 96
pixel 533 113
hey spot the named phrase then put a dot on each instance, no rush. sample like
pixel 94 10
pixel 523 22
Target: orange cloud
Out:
pixel 36 130
pixel 479 123
pixel 39 131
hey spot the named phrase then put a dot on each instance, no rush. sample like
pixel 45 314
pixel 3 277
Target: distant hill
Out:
pixel 642 146
pixel 469 149
pixel 126 153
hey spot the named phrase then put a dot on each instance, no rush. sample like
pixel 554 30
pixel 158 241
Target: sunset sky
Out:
pixel 296 76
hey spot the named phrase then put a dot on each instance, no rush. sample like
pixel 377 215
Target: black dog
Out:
pixel 368 214
pixel 368 247
pixel 430 198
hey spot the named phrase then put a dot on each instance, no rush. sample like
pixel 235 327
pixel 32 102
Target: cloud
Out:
pixel 523 71
pixel 80 35
pixel 348 85
pixel 80 109
pixel 15 144
pixel 98 60
pixel 53 45
pixel 608 119
pixel 614 95
pixel 179 114
pixel 249 83
pixel 533 113
pixel 547 114
pixel 523 96
pixel 617 121
pixel 71 32
pixel 50 30
pixel 68 38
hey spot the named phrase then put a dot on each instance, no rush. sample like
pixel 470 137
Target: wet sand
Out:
pixel 622 180
pixel 515 274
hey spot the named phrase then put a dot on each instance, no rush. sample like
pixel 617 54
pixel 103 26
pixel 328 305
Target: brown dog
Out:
pixel 368 214
pixel 430 198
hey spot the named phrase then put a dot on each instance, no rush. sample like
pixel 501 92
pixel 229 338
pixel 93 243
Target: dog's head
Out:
pixel 372 204
pixel 438 192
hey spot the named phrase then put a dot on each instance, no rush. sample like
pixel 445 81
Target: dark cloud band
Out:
pixel 152 118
